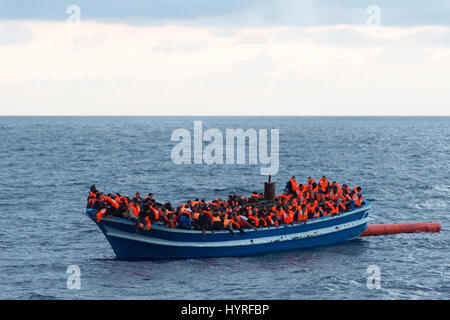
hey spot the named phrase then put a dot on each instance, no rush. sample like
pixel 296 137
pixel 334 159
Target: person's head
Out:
pixel 150 195
pixel 93 188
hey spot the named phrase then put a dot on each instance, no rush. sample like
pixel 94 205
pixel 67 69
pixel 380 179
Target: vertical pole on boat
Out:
pixel 269 189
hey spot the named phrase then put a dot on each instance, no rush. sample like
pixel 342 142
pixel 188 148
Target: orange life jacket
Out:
pixel 210 215
pixel 358 201
pixel 324 183
pixel 186 213
pixel 294 185
pixel 113 202
pixel 317 214
pixel 226 221
pixel 254 219
pixel 123 199
pixel 135 209
pixel 100 214
pixel 237 225
pixel 149 224
pixel 155 212
pixel 290 216
pixel 263 221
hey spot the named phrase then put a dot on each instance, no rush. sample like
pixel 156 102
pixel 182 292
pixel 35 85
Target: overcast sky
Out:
pixel 234 57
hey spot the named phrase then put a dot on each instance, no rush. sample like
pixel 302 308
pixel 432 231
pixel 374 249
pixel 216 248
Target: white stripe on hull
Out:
pixel 111 232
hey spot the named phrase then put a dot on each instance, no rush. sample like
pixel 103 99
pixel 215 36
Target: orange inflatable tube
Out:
pixel 380 229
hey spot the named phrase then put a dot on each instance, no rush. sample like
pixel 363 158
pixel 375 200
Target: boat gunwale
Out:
pixel 367 207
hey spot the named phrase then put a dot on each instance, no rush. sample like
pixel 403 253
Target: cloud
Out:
pixel 14 33
pixel 169 46
pixel 337 70
pixel 252 39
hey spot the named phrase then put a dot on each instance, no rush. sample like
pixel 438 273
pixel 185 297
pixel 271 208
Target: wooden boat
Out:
pixel 160 242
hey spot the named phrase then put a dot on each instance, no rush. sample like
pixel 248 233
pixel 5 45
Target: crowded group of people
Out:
pixel 298 204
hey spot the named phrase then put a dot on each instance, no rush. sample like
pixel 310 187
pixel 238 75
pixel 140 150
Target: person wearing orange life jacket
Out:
pixel 290 216
pixel 135 207
pixel 331 210
pixel 205 221
pixel 93 199
pixel 323 182
pixel 334 193
pixel 137 197
pixel 154 214
pixel 93 194
pixel 317 213
pixel 273 220
pixel 262 215
pixel 217 221
pixel 359 198
pixel 195 217
pixel 110 201
pixel 310 182
pixel 283 216
pixel 304 213
pixel 253 219
pixel 340 206
pixel 171 219
pixel 233 222
pixel 184 221
pixel 298 214
pixel 314 190
pixel 292 186
pixel 280 214
pixel 228 224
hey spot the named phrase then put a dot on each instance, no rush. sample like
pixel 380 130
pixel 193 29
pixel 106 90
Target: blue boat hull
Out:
pixel 163 243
